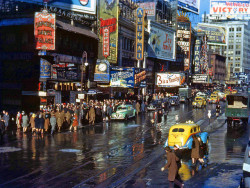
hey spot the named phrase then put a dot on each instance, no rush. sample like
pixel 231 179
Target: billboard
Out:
pixel 139 34
pixel 197 49
pixel 44 30
pixel 148 7
pixel 230 8
pixel 108 30
pixel 200 78
pixel 102 70
pixel 140 77
pixel 190 5
pixel 216 34
pixel 82 6
pixel 169 79
pixel 122 77
pixel 161 44
pixel 45 69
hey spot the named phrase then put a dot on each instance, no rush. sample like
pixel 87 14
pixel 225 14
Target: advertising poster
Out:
pixel 149 8
pixel 169 80
pixel 200 78
pixel 161 42
pixel 190 5
pixel 45 26
pixel 139 34
pixel 82 6
pixel 230 8
pixel 140 77
pixel 108 30
pixel 102 71
pixel 215 33
pixel 122 77
pixel 183 43
pixel 45 69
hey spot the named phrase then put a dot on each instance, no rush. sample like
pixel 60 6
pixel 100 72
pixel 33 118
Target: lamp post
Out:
pixel 84 65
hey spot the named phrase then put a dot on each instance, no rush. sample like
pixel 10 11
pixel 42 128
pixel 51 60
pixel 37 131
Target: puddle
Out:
pixel 9 149
pixel 70 150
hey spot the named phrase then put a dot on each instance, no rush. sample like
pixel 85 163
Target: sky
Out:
pixel 204 7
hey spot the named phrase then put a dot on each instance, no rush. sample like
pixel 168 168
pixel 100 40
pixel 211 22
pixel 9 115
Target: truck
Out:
pixel 237 110
pixel 185 94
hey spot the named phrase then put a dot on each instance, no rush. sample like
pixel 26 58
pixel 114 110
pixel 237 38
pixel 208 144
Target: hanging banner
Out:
pixel 139 34
pixel 102 70
pixel 108 30
pixel 45 30
pixel 45 69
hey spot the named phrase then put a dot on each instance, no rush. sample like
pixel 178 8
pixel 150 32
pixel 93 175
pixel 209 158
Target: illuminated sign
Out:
pixel 140 77
pixel 122 77
pixel 45 30
pixel 45 69
pixel 139 33
pixel 169 80
pixel 105 42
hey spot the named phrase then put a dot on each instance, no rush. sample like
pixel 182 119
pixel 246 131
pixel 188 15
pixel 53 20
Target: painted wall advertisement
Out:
pixel 44 31
pixel 45 69
pixel 229 8
pixel 122 77
pixel 161 42
pixel 190 5
pixel 139 34
pixel 183 43
pixel 108 30
pixel 169 79
pixel 83 6
pixel 215 33
pixel 149 8
pixel 102 71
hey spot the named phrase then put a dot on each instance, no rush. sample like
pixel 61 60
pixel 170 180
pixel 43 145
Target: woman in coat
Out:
pixel 25 122
pixel 47 121
pixel 32 122
pixel 196 146
pixel 53 122
pixel 137 107
pixel 75 122
pixel 91 115
pixel 59 120
pixel 41 123
pixel 172 168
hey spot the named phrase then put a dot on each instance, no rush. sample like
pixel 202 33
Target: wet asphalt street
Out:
pixel 121 154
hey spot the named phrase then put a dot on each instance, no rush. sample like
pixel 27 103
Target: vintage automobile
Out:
pixel 199 102
pixel 174 100
pixel 181 134
pixel 213 99
pixel 154 105
pixel 124 112
pixel 201 94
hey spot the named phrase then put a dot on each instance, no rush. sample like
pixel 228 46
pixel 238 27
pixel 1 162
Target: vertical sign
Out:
pixel 197 50
pixel 45 69
pixel 44 32
pixel 108 30
pixel 139 34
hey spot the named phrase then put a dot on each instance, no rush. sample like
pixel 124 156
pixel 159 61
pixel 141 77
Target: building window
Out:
pixel 238 35
pixel 237 64
pixel 231 47
pixel 238 28
pixel 231 29
pixel 237 70
pixel 238 47
pixel 237 52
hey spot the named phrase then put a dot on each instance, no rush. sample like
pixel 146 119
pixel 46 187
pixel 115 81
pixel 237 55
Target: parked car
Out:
pixel 201 94
pixel 124 112
pixel 199 102
pixel 181 134
pixel 174 100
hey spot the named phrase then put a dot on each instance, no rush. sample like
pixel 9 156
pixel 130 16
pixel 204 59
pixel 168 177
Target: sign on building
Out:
pixel 102 71
pixel 200 78
pixel 140 77
pixel 190 5
pixel 139 34
pixel 161 41
pixel 44 32
pixel 148 7
pixel 45 69
pixel 169 80
pixel 122 77
pixel 108 30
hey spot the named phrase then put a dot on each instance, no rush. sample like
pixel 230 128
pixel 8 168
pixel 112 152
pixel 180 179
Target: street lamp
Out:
pixel 84 65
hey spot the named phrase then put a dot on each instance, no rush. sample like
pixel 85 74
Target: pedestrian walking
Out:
pixel 59 120
pixel 68 118
pixel 6 119
pixel 217 109
pixel 75 122
pixel 47 121
pixel 142 107
pixel 172 168
pixel 18 120
pixel 53 122
pixel 2 129
pixel 32 122
pixel 25 122
pixel 41 123
pixel 178 153
pixel 109 111
pixel 196 147
pixel 91 115
pixel 137 107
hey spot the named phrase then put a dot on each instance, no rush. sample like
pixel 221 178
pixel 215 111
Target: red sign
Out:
pixel 110 23
pixel 105 42
pixel 45 30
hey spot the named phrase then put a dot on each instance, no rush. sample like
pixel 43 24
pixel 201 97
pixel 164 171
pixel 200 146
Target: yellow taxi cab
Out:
pixel 199 102
pixel 214 98
pixel 181 134
pixel 234 91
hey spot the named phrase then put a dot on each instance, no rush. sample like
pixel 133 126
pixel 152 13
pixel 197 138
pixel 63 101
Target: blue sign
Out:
pixel 45 69
pixel 102 71
pixel 122 77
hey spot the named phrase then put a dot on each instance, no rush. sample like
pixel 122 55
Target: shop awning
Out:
pixel 71 28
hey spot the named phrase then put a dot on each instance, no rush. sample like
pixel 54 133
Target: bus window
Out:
pixel 195 129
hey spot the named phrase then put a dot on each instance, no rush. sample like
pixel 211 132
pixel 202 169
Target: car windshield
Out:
pixel 122 108
pixel 198 99
pixel 213 96
pixel 178 130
